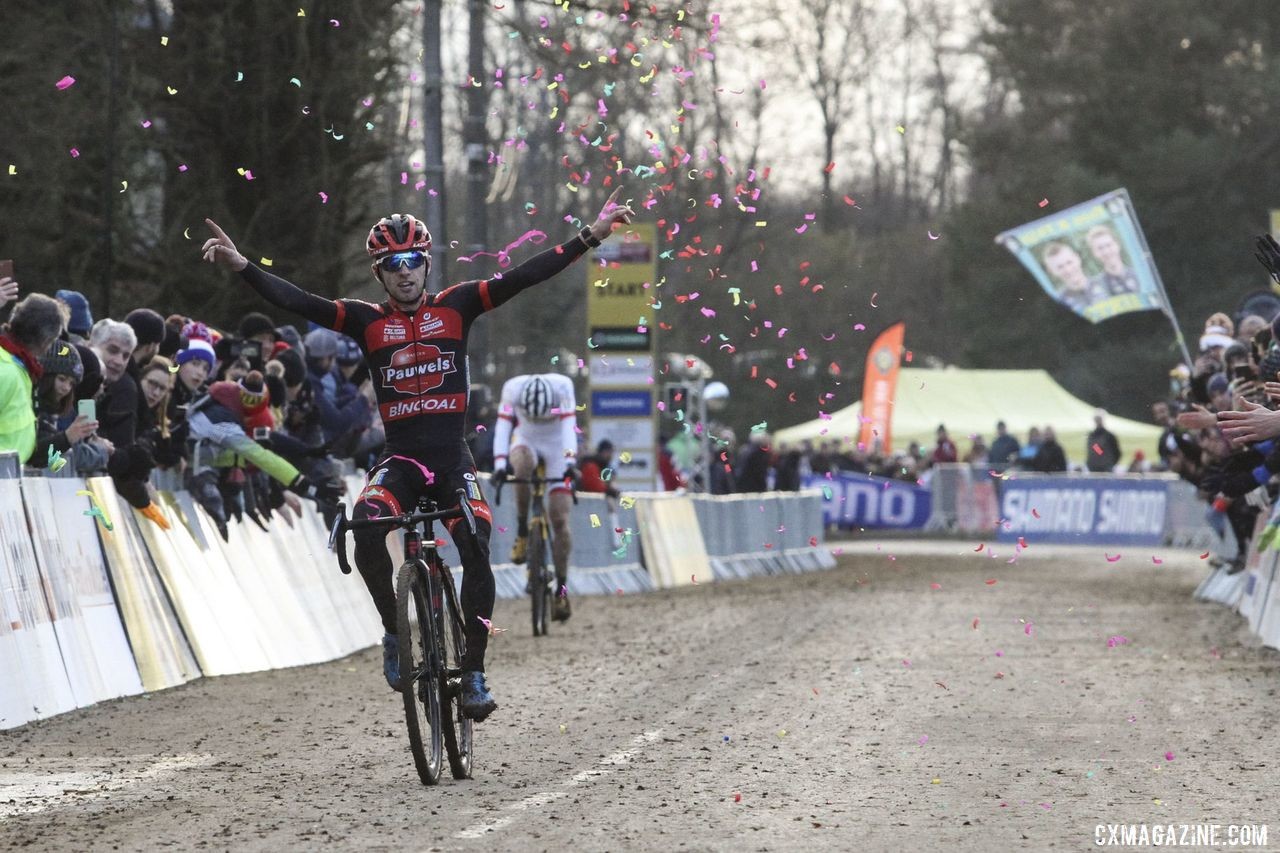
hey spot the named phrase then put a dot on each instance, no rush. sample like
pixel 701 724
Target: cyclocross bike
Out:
pixel 542 582
pixel 432 640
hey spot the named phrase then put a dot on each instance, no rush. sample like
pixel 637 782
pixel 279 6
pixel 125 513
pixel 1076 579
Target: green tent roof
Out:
pixel 970 402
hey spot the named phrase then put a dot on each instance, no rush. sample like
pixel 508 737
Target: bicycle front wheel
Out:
pixel 420 669
pixel 540 599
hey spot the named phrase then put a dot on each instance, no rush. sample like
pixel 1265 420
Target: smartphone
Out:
pixel 261 433
pixel 87 409
pixel 1244 372
pixel 6 269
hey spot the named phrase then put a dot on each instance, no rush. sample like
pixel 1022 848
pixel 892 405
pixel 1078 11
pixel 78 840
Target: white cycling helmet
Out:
pixel 538 399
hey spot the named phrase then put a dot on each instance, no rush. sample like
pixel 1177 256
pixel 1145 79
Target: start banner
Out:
pixel 860 500
pixel 1084 511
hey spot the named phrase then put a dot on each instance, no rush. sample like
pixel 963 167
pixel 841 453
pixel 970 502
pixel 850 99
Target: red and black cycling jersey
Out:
pixel 418 361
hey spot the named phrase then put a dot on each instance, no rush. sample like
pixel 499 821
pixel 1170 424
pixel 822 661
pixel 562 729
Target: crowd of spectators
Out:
pixel 1235 370
pixel 248 420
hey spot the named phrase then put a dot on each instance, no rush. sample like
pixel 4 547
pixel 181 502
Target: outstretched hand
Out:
pixel 1251 423
pixel 611 215
pixel 219 249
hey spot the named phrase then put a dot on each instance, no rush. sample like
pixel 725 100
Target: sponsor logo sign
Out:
pixel 625 403
pixel 1084 511
pixel 425 405
pixel 860 500
pixel 418 367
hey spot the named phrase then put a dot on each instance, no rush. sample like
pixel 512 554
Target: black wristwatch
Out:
pixel 588 238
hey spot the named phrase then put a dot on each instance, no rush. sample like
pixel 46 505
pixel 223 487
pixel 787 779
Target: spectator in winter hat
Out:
pixel 34 325
pixel 195 364
pixel 148 328
pixel 1218 331
pixel 258 327
pixel 81 317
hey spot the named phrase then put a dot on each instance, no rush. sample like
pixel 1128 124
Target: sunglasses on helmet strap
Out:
pixel 403 260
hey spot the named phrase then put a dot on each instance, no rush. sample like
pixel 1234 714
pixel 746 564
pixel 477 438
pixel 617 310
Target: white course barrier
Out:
pixel 98 602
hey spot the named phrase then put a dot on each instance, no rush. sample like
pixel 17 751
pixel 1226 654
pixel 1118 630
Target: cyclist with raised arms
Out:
pixel 415 344
pixel 537 420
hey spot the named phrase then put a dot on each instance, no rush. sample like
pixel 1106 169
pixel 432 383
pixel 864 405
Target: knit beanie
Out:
pixel 81 317
pixel 255 324
pixel 294 370
pixel 147 325
pixel 196 348
pixel 61 359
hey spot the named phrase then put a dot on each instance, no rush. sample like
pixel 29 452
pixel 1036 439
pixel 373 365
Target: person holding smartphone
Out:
pixel 34 326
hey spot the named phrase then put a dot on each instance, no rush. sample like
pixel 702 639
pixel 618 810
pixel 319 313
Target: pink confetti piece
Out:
pixel 1028 628
pixel 935 586
pixel 933 236
pixel 1111 559
pixel 146 122
pixel 75 152
pixel 923 740
pixel 974 626
pixel 1168 756
pixel 489 626
pixel 1117 640
pixel 324 197
pixel 981 545
pixel 1156 560
pixel 182 167
pixel 65 83
pixel 1044 202
pixel 858 327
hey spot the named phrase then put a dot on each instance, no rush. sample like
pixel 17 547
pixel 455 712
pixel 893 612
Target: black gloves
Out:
pixel 571 474
pixel 501 475
pixel 323 493
pixel 1269 254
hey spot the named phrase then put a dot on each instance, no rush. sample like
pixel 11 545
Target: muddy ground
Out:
pixel 919 696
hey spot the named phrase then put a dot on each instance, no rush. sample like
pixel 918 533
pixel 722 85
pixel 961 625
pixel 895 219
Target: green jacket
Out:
pixel 17 413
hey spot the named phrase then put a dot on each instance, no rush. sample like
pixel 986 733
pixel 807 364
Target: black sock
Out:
pixel 522 527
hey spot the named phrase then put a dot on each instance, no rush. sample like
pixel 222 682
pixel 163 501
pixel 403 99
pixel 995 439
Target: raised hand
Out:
pixel 611 215
pixel 219 249
pixel 1251 423
pixel 1268 254
pixel 8 290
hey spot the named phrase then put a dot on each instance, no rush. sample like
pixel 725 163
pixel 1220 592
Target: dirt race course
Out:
pixel 857 708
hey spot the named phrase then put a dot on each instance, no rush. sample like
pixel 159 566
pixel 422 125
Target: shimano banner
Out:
pixel 860 500
pixel 1084 511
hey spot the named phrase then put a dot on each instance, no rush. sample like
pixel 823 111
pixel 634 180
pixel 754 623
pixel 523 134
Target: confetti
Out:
pixel 95 511
pixel 1156 560
pixel 1111 559
pixel 266 262
pixel 65 83
pixel 1035 512
pixel 737 798
pixel 1168 756
pixel 490 627
pixel 1044 202
pixel 595 520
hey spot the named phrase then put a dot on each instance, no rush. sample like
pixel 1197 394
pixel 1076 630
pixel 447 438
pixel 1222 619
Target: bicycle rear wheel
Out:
pixel 539 597
pixel 420 669
pixel 457 728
